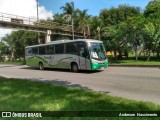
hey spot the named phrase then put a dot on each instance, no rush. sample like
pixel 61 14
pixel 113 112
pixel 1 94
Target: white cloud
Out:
pixel 26 8
pixel 3 32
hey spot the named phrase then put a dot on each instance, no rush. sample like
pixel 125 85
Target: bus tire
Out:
pixel 74 67
pixel 41 66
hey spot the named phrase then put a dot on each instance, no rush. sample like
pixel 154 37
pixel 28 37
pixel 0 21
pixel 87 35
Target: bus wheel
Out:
pixel 41 66
pixel 74 67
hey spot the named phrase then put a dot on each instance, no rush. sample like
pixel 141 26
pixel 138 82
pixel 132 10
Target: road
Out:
pixel 129 82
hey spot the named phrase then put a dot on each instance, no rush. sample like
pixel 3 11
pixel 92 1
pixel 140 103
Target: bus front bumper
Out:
pixel 99 65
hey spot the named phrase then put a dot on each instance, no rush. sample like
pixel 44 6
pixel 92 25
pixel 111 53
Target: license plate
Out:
pixel 102 68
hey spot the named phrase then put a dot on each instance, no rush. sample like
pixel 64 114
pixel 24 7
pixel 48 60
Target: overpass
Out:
pixel 31 24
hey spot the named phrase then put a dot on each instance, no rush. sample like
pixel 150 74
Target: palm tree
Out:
pixel 84 22
pixel 98 30
pixel 68 10
pixel 96 25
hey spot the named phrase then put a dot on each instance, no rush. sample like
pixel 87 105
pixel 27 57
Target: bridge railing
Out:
pixel 42 23
pixel 16 19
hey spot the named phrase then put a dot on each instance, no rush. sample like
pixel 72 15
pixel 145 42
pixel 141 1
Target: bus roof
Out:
pixel 67 41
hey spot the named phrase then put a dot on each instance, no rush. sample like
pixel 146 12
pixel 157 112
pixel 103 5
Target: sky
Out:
pixel 93 6
pixel 47 8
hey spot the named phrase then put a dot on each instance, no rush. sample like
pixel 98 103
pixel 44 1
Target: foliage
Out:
pixel 123 29
pixel 16 42
pixel 114 16
pixel 58 18
pixel 96 26
pixel 153 9
pixel 152 28
pixel 83 20
pixel 68 11
pixel 151 37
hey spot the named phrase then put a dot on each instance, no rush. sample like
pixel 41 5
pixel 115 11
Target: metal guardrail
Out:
pixel 33 22
pixel 10 17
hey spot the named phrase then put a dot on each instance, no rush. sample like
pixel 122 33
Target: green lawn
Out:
pixel 13 62
pixel 25 95
pixel 134 62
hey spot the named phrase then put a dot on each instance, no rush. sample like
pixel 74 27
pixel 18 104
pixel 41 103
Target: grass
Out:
pixel 25 95
pixel 13 62
pixel 132 61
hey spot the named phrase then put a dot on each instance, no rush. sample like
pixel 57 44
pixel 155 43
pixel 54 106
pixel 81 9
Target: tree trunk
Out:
pixel 99 37
pixel 84 34
pixel 158 54
pixel 98 30
pixel 88 31
pixel 38 38
pixel 149 55
pixel 136 54
pixel 120 55
pixel 140 53
pixel 115 55
pixel 12 54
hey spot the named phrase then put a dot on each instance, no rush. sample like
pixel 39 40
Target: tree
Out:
pixel 117 39
pixel 153 9
pixel 134 28
pixel 116 31
pixel 83 20
pixel 58 18
pixel 152 15
pixel 3 50
pixel 68 10
pixel 114 16
pixel 151 37
pixel 8 39
pixel 96 25
pixel 17 41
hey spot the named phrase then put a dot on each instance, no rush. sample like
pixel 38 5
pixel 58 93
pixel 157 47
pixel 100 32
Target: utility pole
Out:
pixel 37 11
pixel 38 22
pixel 72 28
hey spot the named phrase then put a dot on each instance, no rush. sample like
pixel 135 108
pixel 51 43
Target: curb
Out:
pixel 145 66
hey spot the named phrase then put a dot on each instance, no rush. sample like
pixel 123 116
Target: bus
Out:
pixel 80 54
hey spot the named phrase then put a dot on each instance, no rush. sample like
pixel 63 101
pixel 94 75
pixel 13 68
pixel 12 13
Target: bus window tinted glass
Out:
pixel 59 49
pixel 50 49
pixel 35 51
pixel 29 51
pixel 71 48
pixel 42 50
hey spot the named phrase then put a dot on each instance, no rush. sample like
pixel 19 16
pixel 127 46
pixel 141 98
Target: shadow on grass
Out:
pixel 25 95
pixel 60 83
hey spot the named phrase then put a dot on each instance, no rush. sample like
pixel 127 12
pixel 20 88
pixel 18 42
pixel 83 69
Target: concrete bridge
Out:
pixel 31 24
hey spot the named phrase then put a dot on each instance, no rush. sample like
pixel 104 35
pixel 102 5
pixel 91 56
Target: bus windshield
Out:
pixel 97 51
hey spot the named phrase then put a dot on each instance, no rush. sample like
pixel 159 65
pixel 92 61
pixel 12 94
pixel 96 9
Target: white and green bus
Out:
pixel 80 54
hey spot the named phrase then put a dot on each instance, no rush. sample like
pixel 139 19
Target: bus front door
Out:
pixel 83 55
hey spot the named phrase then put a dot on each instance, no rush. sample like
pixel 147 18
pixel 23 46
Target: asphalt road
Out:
pixel 128 82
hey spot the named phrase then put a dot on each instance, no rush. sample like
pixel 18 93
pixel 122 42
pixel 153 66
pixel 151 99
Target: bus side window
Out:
pixel 71 48
pixel 50 49
pixel 59 49
pixel 42 50
pixel 34 51
pixel 28 51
